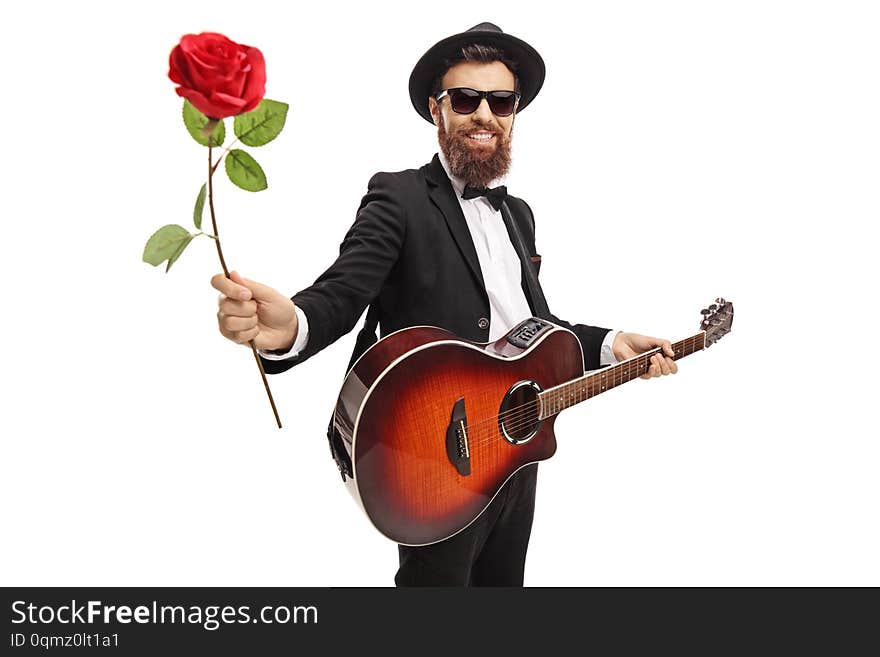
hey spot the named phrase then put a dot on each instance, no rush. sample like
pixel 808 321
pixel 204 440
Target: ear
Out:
pixel 434 108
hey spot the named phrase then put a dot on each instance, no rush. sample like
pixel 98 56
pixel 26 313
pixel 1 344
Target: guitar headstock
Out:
pixel 717 320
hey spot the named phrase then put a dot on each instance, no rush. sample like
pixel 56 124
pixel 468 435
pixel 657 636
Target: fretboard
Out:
pixel 558 398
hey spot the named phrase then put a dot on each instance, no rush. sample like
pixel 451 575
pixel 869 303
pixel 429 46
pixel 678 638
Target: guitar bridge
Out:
pixel 457 447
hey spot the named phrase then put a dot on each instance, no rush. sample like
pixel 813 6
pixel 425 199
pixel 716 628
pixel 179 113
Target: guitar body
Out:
pixel 418 415
pixel 428 427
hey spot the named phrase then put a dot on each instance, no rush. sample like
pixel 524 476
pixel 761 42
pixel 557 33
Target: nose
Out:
pixel 483 113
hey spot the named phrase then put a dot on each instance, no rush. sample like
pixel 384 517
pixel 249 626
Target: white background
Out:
pixel 678 151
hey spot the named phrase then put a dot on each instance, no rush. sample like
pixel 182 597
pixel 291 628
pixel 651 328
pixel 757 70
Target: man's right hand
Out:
pixel 252 311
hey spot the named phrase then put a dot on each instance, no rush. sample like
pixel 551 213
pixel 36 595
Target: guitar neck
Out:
pixel 558 398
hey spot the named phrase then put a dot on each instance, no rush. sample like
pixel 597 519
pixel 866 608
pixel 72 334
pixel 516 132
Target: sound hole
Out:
pixel 518 416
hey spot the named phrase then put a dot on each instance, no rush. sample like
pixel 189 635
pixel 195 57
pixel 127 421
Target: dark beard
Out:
pixel 474 166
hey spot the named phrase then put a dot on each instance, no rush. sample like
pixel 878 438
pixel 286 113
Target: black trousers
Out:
pixel 490 552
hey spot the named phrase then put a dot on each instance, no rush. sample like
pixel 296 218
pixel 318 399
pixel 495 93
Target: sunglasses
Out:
pixel 465 100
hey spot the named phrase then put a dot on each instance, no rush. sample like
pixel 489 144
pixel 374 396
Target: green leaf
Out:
pixel 167 243
pixel 262 125
pixel 176 254
pixel 196 122
pixel 200 206
pixel 244 171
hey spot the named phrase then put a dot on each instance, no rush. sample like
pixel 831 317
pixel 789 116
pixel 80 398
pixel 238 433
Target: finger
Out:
pixel 258 290
pixel 236 324
pixel 226 332
pixel 652 369
pixel 243 337
pixel 230 288
pixel 232 327
pixel 663 363
pixel 667 349
pixel 673 368
pixel 648 342
pixel 223 331
pixel 232 308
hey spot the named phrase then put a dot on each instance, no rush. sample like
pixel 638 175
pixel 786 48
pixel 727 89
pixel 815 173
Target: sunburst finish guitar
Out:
pixel 428 427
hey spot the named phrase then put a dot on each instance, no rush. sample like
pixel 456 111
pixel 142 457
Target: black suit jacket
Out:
pixel 410 252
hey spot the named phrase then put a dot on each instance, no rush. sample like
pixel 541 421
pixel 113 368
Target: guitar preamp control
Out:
pixel 526 331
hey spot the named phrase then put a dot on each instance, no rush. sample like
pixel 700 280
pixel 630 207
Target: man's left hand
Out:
pixel 627 345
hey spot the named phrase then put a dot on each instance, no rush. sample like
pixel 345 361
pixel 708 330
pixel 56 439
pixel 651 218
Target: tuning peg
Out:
pixel 705 311
pixel 720 301
pixel 713 307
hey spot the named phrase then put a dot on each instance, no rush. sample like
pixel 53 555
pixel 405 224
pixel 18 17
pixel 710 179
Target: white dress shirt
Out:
pixel 499 264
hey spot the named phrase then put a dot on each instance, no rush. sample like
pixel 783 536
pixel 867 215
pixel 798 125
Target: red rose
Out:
pixel 220 77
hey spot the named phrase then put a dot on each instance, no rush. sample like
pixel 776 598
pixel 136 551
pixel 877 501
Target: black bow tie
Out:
pixel 495 195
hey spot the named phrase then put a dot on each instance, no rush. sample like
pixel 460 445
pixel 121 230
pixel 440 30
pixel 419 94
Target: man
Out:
pixel 430 246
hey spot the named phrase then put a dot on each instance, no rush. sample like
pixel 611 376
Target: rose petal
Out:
pixel 198 100
pixel 204 105
pixel 234 103
pixel 211 48
pixel 255 88
pixel 200 53
pixel 199 73
pixel 178 70
pixel 234 85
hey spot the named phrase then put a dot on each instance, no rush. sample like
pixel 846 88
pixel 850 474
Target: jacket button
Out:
pixel 483 323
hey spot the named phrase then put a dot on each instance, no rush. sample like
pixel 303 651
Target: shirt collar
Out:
pixel 458 183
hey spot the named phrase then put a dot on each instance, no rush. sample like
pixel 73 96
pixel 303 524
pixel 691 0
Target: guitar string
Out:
pixel 452 485
pixel 512 413
pixel 515 413
pixel 586 380
pixel 524 415
pixel 525 411
pixel 480 443
pixel 521 416
pixel 587 385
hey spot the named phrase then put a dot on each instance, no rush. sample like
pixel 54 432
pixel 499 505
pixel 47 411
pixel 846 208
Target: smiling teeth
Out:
pixel 481 137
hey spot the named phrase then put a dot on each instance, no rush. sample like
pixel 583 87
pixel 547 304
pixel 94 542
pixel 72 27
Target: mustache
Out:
pixel 478 127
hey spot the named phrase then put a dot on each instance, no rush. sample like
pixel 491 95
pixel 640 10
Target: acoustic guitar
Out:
pixel 428 427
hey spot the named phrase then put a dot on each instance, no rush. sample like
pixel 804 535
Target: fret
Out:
pixel 555 400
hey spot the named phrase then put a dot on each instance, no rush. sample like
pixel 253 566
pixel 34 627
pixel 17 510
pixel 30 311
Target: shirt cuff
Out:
pixel 606 356
pixel 302 339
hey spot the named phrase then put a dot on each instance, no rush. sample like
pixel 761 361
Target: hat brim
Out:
pixel 530 69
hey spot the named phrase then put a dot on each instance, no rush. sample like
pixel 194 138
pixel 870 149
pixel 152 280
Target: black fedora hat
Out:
pixel 530 66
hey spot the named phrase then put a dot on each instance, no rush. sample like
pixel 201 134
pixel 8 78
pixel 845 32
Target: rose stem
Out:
pixel 226 271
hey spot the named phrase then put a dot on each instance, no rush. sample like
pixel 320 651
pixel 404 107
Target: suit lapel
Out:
pixel 443 196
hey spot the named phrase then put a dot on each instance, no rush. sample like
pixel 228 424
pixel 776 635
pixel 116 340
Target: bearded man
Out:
pixel 430 246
